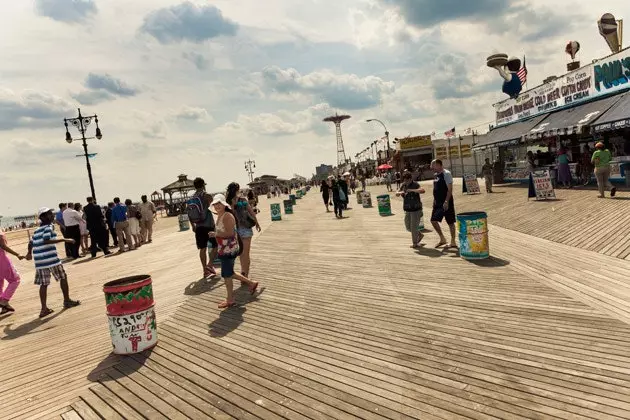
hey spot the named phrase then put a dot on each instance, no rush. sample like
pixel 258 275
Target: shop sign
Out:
pixel 415 142
pixel 610 75
pixel 440 153
pixel 472 184
pixel 466 150
pixel 454 151
pixel 541 183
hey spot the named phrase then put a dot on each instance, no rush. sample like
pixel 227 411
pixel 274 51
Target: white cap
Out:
pixel 43 210
pixel 220 198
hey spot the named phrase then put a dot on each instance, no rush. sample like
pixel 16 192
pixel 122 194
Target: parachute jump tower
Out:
pixel 341 153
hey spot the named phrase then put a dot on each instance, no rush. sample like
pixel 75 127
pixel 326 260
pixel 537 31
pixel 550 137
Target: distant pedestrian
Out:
pixel 110 223
pixel 398 179
pixel 325 190
pixel 412 205
pixel 338 197
pixel 83 228
pixel 228 249
pixel 62 227
pixel 343 184
pixel 147 210
pixel 134 216
pixel 586 166
pixel 443 203
pixel 43 250
pixel 72 220
pixel 601 159
pixel 121 224
pixel 487 173
pixel 202 222
pixel 96 227
pixel 388 181
pixel 564 170
pixel 8 273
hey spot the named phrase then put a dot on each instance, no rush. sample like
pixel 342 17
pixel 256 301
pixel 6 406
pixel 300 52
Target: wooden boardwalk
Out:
pixel 351 323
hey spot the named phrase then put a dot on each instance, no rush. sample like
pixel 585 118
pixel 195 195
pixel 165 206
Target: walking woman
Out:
pixel 245 221
pixel 8 273
pixel 325 190
pixel 337 193
pixel 83 227
pixel 564 171
pixel 229 249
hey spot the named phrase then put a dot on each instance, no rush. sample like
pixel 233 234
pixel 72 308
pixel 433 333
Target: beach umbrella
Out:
pixel 385 167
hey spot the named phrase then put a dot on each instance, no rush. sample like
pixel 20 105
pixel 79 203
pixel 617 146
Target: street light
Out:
pixel 248 168
pixel 386 132
pixel 81 123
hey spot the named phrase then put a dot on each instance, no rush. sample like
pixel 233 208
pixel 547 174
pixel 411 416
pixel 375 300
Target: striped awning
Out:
pixel 571 120
pixel 508 135
pixel 618 116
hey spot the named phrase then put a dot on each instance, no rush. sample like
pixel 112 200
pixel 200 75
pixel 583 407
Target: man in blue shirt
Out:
pixel 62 227
pixel 121 223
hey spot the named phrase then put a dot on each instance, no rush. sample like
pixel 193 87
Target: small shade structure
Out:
pixel 178 193
pixel 385 167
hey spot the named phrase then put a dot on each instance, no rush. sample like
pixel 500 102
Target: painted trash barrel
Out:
pixel 292 198
pixel 366 200
pixel 183 222
pixel 288 207
pixel 275 212
pixel 384 205
pixel 473 235
pixel 359 197
pixel 298 194
pixel 131 314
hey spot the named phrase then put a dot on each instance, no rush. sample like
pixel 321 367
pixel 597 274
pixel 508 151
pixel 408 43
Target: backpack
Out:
pixel 194 209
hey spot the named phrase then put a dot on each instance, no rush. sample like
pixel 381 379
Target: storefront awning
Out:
pixel 508 135
pixel 571 120
pixel 618 116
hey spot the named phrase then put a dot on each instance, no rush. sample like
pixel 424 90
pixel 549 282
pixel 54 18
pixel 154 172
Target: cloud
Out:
pixel 453 79
pixel 429 13
pixel 32 109
pixel 285 122
pixel 200 61
pixel 110 84
pixel 67 11
pixel 103 88
pixel 156 130
pixel 187 22
pixel 343 91
pixel 188 113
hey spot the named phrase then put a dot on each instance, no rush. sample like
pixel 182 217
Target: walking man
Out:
pixel 147 210
pixel 110 223
pixel 121 223
pixel 486 170
pixel 42 248
pixel 72 220
pixel 62 227
pixel 202 223
pixel 96 227
pixel 443 204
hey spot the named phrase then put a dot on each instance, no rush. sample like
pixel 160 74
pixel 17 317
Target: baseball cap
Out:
pixel 43 210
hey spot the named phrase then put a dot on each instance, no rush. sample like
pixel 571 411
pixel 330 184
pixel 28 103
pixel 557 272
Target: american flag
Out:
pixel 450 133
pixel 522 73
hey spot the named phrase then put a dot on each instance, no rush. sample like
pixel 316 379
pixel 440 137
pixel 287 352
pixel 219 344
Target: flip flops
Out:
pixel 45 312
pixel 225 304
pixel 253 288
pixel 71 304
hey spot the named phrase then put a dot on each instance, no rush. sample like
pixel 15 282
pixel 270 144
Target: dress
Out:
pixel 564 171
pixel 83 225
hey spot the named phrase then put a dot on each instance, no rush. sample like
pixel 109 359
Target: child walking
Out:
pixel 43 250
pixel 8 273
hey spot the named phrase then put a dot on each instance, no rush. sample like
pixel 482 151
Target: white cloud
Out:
pixel 190 113
pixel 67 11
pixel 31 109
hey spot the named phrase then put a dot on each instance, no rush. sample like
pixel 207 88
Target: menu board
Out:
pixel 472 184
pixel 540 183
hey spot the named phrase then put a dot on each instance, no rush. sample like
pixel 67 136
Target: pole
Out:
pixel 450 155
pixel 461 158
pixel 387 135
pixel 474 133
pixel 87 157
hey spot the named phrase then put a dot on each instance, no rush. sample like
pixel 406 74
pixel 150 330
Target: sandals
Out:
pixel 45 312
pixel 253 288
pixel 225 304
pixel 71 304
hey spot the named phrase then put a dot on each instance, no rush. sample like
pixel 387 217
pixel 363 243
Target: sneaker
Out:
pixel 613 191
pixel 71 303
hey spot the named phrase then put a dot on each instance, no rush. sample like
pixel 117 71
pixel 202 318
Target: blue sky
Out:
pixel 198 87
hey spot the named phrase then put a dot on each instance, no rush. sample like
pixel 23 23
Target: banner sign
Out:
pixel 440 152
pixel 415 142
pixel 604 77
pixel 454 151
pixel 540 185
pixel 472 184
pixel 466 150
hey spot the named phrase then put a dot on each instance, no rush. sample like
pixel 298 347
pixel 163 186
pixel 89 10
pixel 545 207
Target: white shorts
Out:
pixel 134 226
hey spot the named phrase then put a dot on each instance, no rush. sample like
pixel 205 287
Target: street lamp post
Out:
pixel 386 132
pixel 248 168
pixel 81 123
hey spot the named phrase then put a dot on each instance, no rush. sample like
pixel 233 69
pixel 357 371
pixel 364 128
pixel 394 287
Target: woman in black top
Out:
pixel 336 194
pixel 325 190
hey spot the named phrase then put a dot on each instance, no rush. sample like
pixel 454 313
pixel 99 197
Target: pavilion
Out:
pixel 178 193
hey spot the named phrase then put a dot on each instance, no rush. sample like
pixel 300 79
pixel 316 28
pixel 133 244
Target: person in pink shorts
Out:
pixel 8 273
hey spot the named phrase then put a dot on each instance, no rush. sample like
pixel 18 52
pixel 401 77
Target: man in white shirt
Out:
pixel 147 210
pixel 71 219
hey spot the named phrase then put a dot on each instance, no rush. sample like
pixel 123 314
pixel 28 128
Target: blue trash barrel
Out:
pixel 473 235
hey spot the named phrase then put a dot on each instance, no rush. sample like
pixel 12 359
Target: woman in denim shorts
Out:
pixel 245 221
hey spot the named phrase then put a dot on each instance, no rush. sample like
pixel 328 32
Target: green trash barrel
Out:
pixel 288 207
pixel 384 205
pixel 473 235
pixel 359 197
pixel 275 212
pixel 292 198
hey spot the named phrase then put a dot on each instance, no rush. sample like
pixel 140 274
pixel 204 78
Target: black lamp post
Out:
pixel 248 168
pixel 81 123
pixel 386 132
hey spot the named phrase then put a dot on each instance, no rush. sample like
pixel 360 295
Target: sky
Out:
pixel 199 87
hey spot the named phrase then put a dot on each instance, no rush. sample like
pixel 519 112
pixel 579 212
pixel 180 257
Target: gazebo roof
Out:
pixel 182 184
